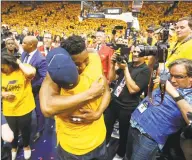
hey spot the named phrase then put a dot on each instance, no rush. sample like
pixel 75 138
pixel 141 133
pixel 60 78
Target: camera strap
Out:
pixel 176 47
pixel 151 85
pixel 162 84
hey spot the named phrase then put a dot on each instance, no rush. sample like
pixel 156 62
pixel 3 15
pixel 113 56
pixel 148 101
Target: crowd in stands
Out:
pixel 58 17
pixel 107 78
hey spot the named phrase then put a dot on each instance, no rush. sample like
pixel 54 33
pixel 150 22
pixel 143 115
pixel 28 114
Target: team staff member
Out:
pixel 32 56
pixel 18 101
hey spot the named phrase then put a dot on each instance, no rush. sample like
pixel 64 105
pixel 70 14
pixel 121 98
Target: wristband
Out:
pixel 180 97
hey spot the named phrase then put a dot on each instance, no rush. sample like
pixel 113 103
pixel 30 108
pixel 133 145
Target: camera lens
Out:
pixel 119 59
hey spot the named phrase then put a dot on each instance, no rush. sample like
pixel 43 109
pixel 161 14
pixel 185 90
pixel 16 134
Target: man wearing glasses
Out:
pixel 151 124
pixel 47 44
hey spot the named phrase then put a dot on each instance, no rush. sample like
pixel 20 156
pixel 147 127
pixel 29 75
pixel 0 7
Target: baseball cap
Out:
pixel 61 68
pixel 150 29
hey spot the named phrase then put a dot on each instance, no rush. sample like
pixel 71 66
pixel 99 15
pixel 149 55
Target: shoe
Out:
pixel 37 136
pixel 107 145
pixel 116 125
pixel 14 154
pixel 27 154
pixel 117 157
pixel 115 133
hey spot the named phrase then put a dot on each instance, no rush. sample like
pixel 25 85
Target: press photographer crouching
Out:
pixel 151 124
pixel 131 80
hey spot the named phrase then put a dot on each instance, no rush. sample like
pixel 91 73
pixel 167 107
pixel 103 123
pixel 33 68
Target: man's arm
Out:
pixel 89 115
pixel 105 99
pixel 42 69
pixel 52 103
pixel 130 83
pixel 112 71
pixel 28 70
pixel 182 104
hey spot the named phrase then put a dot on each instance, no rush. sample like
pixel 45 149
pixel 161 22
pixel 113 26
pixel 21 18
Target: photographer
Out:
pixel 132 79
pixel 152 124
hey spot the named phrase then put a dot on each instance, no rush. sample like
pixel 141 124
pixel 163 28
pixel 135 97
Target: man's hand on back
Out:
pixel 97 88
pixel 87 116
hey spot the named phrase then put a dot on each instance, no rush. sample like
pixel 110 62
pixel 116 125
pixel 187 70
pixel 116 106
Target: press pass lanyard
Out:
pixel 120 87
pixel 176 47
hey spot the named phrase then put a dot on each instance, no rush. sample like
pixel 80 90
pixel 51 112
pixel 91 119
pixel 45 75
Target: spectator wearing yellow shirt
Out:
pixel 18 101
pixel 183 46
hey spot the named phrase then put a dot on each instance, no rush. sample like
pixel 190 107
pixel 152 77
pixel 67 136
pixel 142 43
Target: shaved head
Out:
pixel 30 43
pixel 31 39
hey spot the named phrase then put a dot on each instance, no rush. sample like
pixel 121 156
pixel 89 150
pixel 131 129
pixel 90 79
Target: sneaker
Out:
pixel 115 133
pixel 107 145
pixel 14 154
pixel 117 157
pixel 116 125
pixel 27 154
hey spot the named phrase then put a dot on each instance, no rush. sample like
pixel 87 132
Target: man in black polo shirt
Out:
pixel 131 80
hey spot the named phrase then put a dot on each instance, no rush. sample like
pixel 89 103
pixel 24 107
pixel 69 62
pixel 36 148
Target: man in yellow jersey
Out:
pixel 183 46
pixel 78 108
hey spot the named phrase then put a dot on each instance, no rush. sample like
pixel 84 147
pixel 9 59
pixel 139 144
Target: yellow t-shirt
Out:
pixel 80 139
pixel 24 101
pixel 183 51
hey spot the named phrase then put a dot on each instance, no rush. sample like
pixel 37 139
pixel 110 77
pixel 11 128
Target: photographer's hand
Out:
pixel 113 59
pixel 122 65
pixel 157 80
pixel 182 104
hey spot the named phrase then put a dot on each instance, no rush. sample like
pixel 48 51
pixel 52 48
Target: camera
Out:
pixel 164 34
pixel 160 51
pixel 147 50
pixel 121 58
pixel 187 132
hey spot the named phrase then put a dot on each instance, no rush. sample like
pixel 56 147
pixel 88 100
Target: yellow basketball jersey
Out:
pixel 80 139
